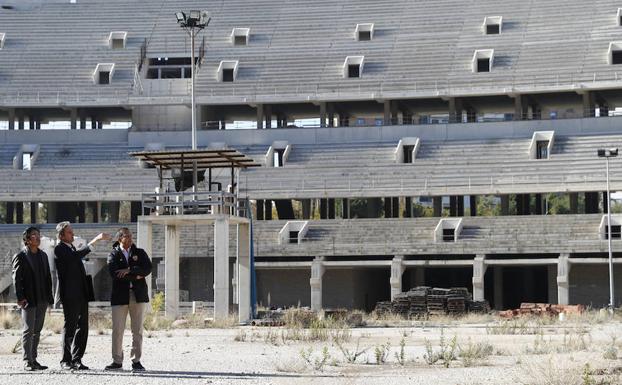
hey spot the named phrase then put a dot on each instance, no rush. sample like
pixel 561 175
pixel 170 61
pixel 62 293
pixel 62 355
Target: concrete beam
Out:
pixel 221 268
pixel 171 271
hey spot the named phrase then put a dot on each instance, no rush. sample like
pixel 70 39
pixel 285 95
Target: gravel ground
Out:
pixel 248 355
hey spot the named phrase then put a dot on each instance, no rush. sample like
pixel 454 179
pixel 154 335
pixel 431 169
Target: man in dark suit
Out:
pixel 73 289
pixel 128 266
pixel 33 288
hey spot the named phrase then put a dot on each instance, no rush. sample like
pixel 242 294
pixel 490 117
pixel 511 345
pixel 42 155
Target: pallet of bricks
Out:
pixel 456 300
pixel 419 301
pixel 437 301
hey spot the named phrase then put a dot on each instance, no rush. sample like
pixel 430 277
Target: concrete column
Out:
pixel 221 268
pixel 268 210
pixel 10 211
pixel 437 203
pixel 267 111
pixel 498 289
pixel 473 205
pixel 19 212
pixel 408 205
pixel 20 121
pixel 563 273
pixel 479 270
pixel 259 116
pixel 397 271
pixel 144 240
pixel 244 273
pixel 453 209
pixel 519 112
pixel 11 118
pixel 34 207
pixel 73 118
pixel 589 104
pixel 322 114
pixel 31 122
pixel 505 204
pixel 574 202
pixel 420 276
pixel 455 110
pixel 171 271
pixel 82 120
pixel 345 208
pixel 317 272
pixel 306 208
pixel 330 110
pixel 114 211
pixel 387 112
pixel 51 212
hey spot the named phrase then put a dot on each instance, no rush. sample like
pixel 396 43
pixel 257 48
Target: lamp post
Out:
pixel 193 23
pixel 609 153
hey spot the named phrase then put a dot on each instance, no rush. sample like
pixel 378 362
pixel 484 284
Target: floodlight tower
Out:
pixel 193 23
pixel 609 153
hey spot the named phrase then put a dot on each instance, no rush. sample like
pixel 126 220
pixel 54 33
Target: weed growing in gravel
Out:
pixel 472 353
pixel 401 356
pixel 611 351
pixel 517 326
pixel 540 346
pixel 154 321
pixel 54 323
pixel 240 336
pixel 317 362
pixel 9 319
pixel 381 353
pixel 573 342
pixel 351 355
pixel 446 352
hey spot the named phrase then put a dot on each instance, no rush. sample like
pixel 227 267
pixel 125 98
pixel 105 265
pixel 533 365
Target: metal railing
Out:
pixel 188 202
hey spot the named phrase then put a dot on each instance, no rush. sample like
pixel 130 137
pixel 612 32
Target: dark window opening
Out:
pixel 153 73
pixel 293 237
pixel 616 57
pixel 542 149
pixel 187 73
pixel 492 29
pixel 118 44
pixel 616 232
pixel 239 40
pixel 408 153
pixel 27 161
pixel 170 73
pixel 278 157
pixel 354 71
pixel 171 61
pixel 483 65
pixel 104 77
pixel 448 235
pixel 227 75
pixel 364 35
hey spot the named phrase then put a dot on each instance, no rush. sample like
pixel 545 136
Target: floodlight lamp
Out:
pixel 204 18
pixel 181 17
pixel 613 152
pixel 195 16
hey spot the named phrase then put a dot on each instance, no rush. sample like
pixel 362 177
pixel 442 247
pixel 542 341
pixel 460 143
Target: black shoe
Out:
pixel 38 366
pixel 30 366
pixel 78 365
pixel 137 367
pixel 66 365
pixel 114 366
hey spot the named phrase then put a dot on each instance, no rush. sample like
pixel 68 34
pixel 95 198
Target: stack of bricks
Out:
pixel 437 301
pixel 456 300
pixel 419 301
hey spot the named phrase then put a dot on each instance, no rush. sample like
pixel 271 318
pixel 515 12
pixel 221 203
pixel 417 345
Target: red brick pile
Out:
pixel 541 309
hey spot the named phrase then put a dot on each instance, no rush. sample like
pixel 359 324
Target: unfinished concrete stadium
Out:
pixel 400 143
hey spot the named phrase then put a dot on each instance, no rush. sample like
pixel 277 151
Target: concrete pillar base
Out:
pixel 171 271
pixel 317 272
pixel 563 272
pixel 397 271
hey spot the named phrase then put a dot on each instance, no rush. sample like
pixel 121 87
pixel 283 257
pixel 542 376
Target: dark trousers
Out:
pixel 32 323
pixel 75 330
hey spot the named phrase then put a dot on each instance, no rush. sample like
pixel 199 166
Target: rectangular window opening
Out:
pixel 293 237
pixel 278 157
pixel 542 149
pixel 354 71
pixel 118 44
pixel 408 153
pixel 483 65
pixel 239 40
pixel 227 74
pixel 26 161
pixel 104 77
pixel 448 235
pixel 364 35
pixel 492 29
pixel 616 57
pixel 616 232
pixel 170 73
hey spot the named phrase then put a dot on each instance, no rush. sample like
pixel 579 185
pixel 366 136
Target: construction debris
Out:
pixel 422 301
pixel 541 309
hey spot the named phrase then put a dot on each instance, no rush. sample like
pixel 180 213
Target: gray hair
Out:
pixel 120 233
pixel 60 228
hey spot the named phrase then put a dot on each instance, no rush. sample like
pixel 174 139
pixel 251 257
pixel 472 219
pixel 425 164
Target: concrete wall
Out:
pixel 280 287
pixel 589 285
pixel 355 288
pixel 170 118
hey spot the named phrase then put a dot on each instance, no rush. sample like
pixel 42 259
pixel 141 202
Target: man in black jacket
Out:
pixel 128 266
pixel 73 292
pixel 33 288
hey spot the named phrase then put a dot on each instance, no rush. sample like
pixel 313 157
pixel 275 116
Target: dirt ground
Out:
pixel 486 351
